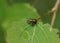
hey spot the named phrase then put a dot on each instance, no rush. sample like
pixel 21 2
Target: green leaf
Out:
pixel 19 31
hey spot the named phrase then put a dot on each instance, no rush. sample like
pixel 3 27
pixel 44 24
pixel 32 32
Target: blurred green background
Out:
pixel 42 6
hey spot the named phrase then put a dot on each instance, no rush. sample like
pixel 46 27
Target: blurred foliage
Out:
pixel 19 31
pixel 2 17
pixel 42 6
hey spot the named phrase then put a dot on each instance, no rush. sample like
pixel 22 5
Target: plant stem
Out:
pixel 54 11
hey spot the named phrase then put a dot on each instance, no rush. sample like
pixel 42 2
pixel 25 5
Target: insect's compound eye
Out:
pixel 32 21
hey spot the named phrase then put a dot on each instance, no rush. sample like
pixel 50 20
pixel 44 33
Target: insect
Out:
pixel 32 21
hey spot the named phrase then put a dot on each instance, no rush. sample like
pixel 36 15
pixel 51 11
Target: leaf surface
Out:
pixel 19 31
